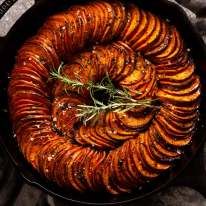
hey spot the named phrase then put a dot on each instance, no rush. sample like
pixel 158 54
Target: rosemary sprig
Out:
pixel 119 100
pixel 87 112
pixel 56 74
pixel 109 87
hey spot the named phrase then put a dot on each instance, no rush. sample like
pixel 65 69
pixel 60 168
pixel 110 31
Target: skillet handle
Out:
pixel 10 12
pixel 194 175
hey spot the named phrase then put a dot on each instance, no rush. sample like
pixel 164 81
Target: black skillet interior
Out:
pixel 25 27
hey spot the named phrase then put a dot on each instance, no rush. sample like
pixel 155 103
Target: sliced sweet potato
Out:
pixel 106 16
pixel 183 114
pixel 136 123
pixel 188 90
pixel 179 76
pixel 96 164
pixel 100 130
pixel 46 149
pixel 130 167
pixel 128 62
pixel 140 41
pixel 176 85
pixel 147 90
pixel 116 133
pixel 55 160
pixel 147 156
pixel 100 142
pixel 54 156
pixel 118 180
pixel 153 37
pixel 160 150
pixel 120 18
pixel 110 19
pixel 61 167
pixel 90 18
pixel 72 164
pixel 178 100
pixel 171 65
pixel 43 51
pixel 114 123
pixel 169 48
pixel 119 61
pixel 47 159
pixel 170 139
pixel 113 135
pixel 181 118
pixel 80 136
pixel 173 49
pixel 84 25
pixel 136 75
pixel 138 162
pixel 78 168
pixel 25 73
pixel 93 165
pixel 134 19
pixel 99 24
pixel 179 130
pixel 107 176
pixel 160 47
pixel 24 87
pixel 130 174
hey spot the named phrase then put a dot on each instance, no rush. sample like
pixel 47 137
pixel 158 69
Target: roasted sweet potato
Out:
pixel 115 151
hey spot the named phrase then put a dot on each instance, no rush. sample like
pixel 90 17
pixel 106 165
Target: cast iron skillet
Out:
pixel 25 27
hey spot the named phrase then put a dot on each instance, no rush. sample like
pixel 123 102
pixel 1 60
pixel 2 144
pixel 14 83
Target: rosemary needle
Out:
pixel 119 100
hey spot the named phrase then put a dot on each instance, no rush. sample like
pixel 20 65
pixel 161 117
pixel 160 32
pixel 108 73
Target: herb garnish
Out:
pixel 119 100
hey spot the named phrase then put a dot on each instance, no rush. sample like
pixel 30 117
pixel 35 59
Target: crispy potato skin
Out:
pixel 140 52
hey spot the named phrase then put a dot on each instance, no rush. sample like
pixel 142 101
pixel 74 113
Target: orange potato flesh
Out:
pixel 141 53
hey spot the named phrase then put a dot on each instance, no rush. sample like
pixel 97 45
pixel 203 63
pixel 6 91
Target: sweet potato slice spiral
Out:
pixel 140 52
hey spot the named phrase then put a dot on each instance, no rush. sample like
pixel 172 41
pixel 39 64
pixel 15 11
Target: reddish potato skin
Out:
pixel 121 151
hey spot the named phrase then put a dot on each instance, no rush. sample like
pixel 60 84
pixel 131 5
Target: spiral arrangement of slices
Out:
pixel 140 52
